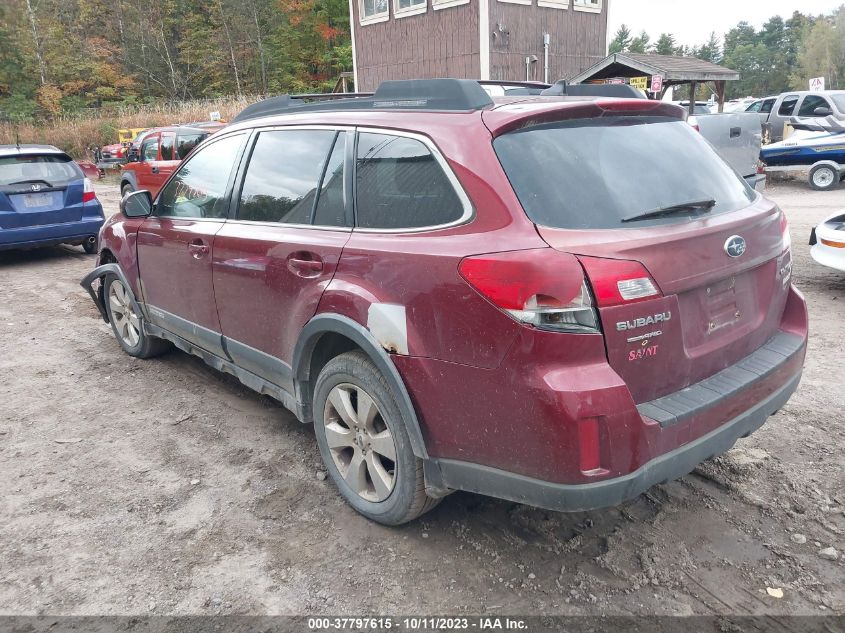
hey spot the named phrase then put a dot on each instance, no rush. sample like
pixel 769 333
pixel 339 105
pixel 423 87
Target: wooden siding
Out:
pixel 577 40
pixel 434 44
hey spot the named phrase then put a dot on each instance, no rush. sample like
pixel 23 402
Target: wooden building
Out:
pixel 537 40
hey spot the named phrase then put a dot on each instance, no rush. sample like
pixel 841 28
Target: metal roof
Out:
pixel 674 69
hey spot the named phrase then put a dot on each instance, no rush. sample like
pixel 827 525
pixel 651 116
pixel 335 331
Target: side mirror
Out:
pixel 822 111
pixel 138 204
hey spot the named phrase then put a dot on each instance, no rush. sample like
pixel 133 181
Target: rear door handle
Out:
pixel 198 248
pixel 154 170
pixel 305 264
pixel 736 131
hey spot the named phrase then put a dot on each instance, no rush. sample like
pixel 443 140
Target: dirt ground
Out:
pixel 139 487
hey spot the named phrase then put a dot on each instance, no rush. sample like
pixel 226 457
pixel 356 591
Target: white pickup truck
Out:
pixel 738 137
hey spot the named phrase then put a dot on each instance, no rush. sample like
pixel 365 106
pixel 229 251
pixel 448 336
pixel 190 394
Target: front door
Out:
pixel 147 157
pixel 165 164
pixel 175 244
pixel 273 260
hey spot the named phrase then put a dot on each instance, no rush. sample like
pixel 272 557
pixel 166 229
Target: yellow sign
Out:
pixel 641 83
pixel 127 134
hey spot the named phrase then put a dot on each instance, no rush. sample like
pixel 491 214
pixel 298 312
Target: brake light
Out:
pixel 540 287
pixel 88 191
pixel 619 281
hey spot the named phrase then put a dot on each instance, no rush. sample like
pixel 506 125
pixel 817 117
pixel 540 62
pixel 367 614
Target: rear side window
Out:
pixel 767 106
pixel 186 142
pixel 401 185
pixel 331 210
pixel 40 169
pixel 592 173
pixel 283 174
pixel 787 106
pixel 166 147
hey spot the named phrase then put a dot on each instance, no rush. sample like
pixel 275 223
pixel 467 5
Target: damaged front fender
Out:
pixel 97 294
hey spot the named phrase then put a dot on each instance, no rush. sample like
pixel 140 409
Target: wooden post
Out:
pixel 692 94
pixel 720 95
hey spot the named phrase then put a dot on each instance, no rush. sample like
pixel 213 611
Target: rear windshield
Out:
pixel 592 173
pixel 50 170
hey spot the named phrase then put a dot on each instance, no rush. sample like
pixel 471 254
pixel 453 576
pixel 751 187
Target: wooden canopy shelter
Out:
pixel 675 71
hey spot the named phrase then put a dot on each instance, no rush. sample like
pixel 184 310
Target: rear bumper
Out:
pixel 48 235
pixel 575 498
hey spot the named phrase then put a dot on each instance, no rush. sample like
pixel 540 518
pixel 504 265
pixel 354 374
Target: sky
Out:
pixel 692 22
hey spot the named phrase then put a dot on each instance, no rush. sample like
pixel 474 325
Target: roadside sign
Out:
pixel 214 116
pixel 641 83
pixel 817 84
pixel 656 83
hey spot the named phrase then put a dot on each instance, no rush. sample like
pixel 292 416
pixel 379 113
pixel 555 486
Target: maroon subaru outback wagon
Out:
pixel 555 301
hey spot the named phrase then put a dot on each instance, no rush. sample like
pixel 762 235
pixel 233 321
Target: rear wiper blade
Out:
pixel 692 205
pixel 27 182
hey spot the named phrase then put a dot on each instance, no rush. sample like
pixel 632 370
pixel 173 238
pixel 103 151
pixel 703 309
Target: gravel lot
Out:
pixel 138 487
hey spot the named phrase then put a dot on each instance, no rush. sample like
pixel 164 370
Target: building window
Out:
pixel 594 6
pixel 445 4
pixel 554 4
pixel 373 11
pixel 404 8
pixel 517 1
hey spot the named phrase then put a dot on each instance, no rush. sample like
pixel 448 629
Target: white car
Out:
pixel 828 242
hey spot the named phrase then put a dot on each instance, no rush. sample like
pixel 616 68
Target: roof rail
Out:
pixel 450 95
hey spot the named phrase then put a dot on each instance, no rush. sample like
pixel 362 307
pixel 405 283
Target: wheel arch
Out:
pixel 128 176
pixel 337 333
pixel 98 294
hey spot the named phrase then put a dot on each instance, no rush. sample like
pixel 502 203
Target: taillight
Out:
pixel 88 191
pixel 693 121
pixel 540 287
pixel 619 281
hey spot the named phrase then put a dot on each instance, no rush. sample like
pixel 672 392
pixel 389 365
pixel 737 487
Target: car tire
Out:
pixel 359 428
pixel 127 326
pixel 89 245
pixel 125 189
pixel 824 177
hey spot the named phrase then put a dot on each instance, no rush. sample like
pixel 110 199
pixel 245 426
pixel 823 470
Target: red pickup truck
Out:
pixel 160 153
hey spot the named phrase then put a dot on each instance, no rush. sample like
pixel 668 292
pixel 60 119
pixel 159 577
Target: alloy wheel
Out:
pixel 126 322
pixel 360 443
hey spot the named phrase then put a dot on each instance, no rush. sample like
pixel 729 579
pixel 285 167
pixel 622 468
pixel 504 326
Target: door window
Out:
pixel 787 106
pixel 810 103
pixel 186 142
pixel 755 107
pixel 198 190
pixel 283 175
pixel 401 185
pixel 167 147
pixel 331 210
pixel 149 150
pixel 767 106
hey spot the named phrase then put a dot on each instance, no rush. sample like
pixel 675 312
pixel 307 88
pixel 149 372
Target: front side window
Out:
pixel 401 185
pixel 787 106
pixel 755 107
pixel 767 106
pixel 810 103
pixel 595 173
pixel 283 175
pixel 149 150
pixel 373 10
pixel 198 189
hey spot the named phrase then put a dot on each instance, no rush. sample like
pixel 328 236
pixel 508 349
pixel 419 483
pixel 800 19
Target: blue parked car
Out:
pixel 45 199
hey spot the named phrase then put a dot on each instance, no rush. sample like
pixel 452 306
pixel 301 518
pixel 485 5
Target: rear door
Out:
pixel 39 189
pixel 176 244
pixel 719 271
pixel 273 260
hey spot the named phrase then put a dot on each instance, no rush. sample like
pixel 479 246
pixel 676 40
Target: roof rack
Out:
pixel 566 89
pixel 444 95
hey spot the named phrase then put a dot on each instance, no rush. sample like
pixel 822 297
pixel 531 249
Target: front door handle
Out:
pixel 198 249
pixel 305 264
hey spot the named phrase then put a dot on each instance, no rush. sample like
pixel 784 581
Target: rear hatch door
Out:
pixel 720 268
pixel 39 189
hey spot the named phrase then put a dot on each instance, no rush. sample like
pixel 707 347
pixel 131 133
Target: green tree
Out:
pixel 666 45
pixel 640 44
pixel 621 42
